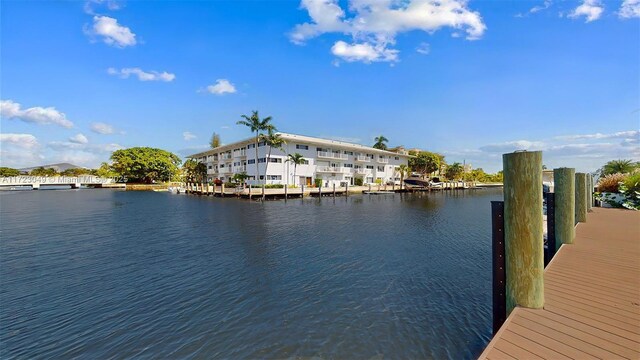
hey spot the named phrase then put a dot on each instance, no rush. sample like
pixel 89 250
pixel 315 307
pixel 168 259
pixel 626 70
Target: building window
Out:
pixel 397 157
pixel 380 168
pixel 251 161
pixel 323 150
pixel 370 167
pixel 261 177
pixel 275 160
pixel 274 177
pixel 210 167
pixel 348 165
pixel 348 152
pixel 358 167
pixel 305 162
pixel 302 147
pixel 221 165
pixel 262 160
pixel 251 146
pixel 262 143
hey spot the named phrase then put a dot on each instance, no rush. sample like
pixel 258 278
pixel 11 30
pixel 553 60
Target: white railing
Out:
pixel 363 171
pixel 239 153
pixel 362 158
pixel 55 180
pixel 331 169
pixel 383 160
pixel 332 155
pixel 225 156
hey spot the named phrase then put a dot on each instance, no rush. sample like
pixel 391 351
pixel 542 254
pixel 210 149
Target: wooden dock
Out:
pixel 591 298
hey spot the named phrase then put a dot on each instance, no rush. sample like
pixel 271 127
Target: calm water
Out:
pixel 100 274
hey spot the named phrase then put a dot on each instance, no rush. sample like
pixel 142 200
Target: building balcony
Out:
pixel 240 154
pixel 331 169
pixel 332 155
pixel 361 158
pixel 383 160
pixel 363 171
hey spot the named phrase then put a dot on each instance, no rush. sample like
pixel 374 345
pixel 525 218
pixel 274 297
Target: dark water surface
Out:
pixel 98 274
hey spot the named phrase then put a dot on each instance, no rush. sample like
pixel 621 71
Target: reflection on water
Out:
pixel 99 273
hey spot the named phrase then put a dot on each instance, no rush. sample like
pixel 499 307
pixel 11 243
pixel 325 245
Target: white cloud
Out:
pixel 102 128
pixel 364 52
pixel 19 150
pixel 188 136
pixel 23 141
pixel 221 87
pixel 111 32
pixel 630 9
pixel 79 139
pixel 375 24
pixel 616 135
pixel 91 5
pixel 544 6
pixel 423 48
pixel 142 75
pixel 38 115
pixel 511 146
pixel 590 9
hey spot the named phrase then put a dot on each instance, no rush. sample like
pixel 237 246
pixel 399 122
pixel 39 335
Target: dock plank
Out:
pixel 592 297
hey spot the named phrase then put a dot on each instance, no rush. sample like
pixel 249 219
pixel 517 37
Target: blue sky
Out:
pixel 470 79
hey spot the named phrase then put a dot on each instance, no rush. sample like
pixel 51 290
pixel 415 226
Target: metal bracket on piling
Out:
pixel 499 265
pixel 551 227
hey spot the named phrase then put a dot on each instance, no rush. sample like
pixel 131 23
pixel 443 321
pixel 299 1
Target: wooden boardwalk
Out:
pixel 592 298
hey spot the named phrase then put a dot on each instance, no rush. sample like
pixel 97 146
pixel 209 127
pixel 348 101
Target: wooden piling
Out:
pixel 581 197
pixel 346 189
pixel 565 202
pixel 285 192
pixel 302 193
pixel 334 189
pixel 523 229
pixel 222 191
pixel 589 192
pixel 249 191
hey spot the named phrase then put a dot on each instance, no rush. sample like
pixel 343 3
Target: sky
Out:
pixel 469 79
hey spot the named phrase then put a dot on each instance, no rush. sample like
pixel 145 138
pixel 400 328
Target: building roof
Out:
pixel 301 138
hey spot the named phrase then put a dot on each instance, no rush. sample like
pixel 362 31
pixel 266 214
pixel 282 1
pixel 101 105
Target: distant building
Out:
pixel 334 162
pixel 60 167
pixel 467 168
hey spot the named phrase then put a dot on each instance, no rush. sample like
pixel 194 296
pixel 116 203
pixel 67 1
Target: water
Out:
pixel 101 274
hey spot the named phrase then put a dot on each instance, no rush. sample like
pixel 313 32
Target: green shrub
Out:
pixel 379 181
pixel 611 183
pixel 269 186
pixel 358 181
pixel 318 182
pixel 632 182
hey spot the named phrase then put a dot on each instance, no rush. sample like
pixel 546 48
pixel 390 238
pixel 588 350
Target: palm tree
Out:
pixel 274 140
pixel 618 166
pixel 296 159
pixel 256 125
pixel 380 142
pixel 215 140
pixel 454 171
pixel 403 170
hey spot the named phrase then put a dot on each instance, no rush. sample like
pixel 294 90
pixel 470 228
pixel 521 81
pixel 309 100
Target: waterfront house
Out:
pixel 334 162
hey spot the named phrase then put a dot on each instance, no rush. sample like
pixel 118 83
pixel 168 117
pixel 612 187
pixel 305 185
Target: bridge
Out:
pixel 74 181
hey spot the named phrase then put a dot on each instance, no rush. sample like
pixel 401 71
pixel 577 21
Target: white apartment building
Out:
pixel 335 162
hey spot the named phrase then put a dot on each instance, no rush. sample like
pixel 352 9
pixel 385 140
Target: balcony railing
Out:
pixel 362 158
pixel 363 171
pixel 332 155
pixel 383 160
pixel 239 154
pixel 331 169
pixel 225 156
